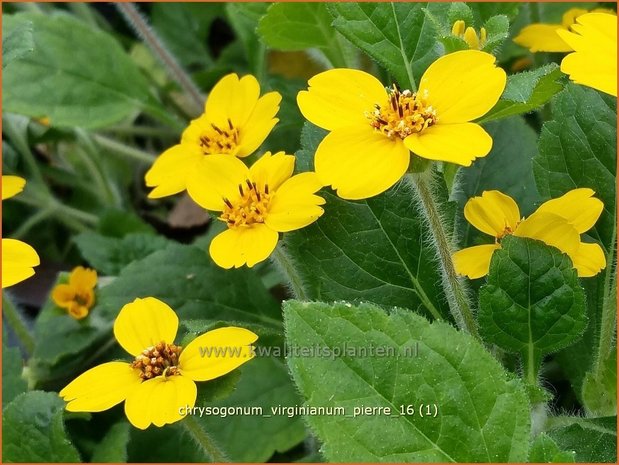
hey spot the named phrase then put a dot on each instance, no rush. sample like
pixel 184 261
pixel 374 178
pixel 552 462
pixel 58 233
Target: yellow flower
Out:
pixel 160 381
pixel 18 258
pixel 543 37
pixel 469 35
pixel 257 204
pixel 557 222
pixel 77 297
pixel 373 130
pixel 236 120
pixel 594 62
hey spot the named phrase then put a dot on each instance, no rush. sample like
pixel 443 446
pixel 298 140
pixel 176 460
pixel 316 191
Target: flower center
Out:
pixel 159 360
pixel 219 139
pixel 250 208
pixel 405 113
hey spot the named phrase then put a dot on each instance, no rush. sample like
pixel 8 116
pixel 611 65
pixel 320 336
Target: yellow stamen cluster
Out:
pixel 250 208
pixel 219 140
pixel 474 41
pixel 405 113
pixel 160 360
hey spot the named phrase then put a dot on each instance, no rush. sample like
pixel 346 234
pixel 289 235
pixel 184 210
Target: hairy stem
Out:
pixel 452 285
pixel 284 263
pixel 608 322
pixel 202 439
pixel 125 150
pixel 16 322
pixel 156 45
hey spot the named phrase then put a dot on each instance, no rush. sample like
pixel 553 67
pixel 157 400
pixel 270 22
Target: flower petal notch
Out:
pixel 558 222
pixel 256 204
pixel 594 61
pixel 161 380
pixel 374 130
pixel 236 120
pixel 18 258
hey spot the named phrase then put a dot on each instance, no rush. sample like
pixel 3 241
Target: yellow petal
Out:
pixel 144 323
pixel 455 143
pixel 12 185
pixel 216 353
pixel 474 262
pixel 463 85
pixel 569 17
pixel 159 401
pixel 339 98
pixel 214 178
pixel 63 295
pixel 542 38
pixel 578 207
pixel 18 261
pixel 232 98
pixel 78 311
pixel 594 62
pixel 101 387
pixel 552 230
pixel 83 278
pixel 359 162
pixel 294 205
pixel 493 213
pixel 272 170
pixel 259 125
pixel 168 175
pixel 243 245
pixel 589 260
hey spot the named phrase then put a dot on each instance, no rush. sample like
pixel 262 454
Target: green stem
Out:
pixel 206 443
pixel 149 131
pixel 21 143
pixel 17 324
pixel 452 285
pixel 608 322
pixel 157 46
pixel 531 364
pixel 122 149
pixel 35 219
pixel 284 263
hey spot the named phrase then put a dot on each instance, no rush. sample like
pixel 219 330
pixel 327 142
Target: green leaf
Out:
pixel 255 437
pixel 113 446
pixel 482 12
pixel 84 78
pixel 160 445
pixel 12 366
pixel 244 18
pixel 533 302
pixel 599 393
pixel 33 430
pixel 397 35
pixel 545 450
pixel 526 92
pixel 16 40
pixel 578 148
pixel 514 144
pixel 109 255
pixel 482 413
pixel 184 28
pixel 298 26
pixel 593 439
pixel 372 250
pixel 189 282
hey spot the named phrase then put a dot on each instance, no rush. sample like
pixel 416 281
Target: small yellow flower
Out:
pixel 469 35
pixel 257 204
pixel 77 297
pixel 160 380
pixel 557 222
pixel 18 258
pixel 543 37
pixel 236 120
pixel 594 62
pixel 373 130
